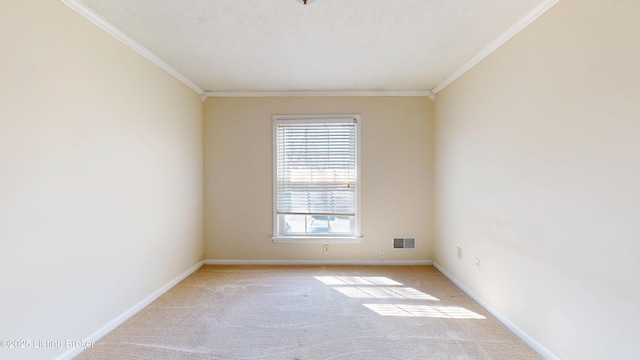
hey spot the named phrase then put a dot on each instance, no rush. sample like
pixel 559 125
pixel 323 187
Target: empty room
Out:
pixel 319 179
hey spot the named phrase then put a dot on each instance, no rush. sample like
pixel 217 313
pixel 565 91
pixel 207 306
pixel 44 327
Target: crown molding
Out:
pixel 112 30
pixel 496 43
pixel 209 94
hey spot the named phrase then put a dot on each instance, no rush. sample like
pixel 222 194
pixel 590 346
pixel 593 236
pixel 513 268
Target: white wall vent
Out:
pixel 407 243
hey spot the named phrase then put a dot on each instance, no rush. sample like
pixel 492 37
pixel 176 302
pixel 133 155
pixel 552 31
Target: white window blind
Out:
pixel 316 167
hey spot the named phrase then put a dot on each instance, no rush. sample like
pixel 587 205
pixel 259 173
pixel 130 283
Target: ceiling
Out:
pixel 266 46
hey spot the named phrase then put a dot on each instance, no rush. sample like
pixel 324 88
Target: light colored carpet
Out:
pixel 312 312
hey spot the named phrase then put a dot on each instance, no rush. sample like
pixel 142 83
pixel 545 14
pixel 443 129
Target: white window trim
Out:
pixel 329 239
pixel 316 240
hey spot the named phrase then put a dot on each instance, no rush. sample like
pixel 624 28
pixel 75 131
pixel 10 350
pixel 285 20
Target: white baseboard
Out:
pixel 69 354
pixel 533 343
pixel 319 262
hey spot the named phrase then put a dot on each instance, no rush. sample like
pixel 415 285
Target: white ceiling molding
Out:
pixel 107 26
pixel 112 30
pixel 209 94
pixel 495 44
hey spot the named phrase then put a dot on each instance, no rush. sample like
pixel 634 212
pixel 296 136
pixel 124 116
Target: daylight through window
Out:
pixel 316 176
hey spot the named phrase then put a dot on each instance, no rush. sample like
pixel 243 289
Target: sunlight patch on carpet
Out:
pixel 357 280
pixel 383 288
pixel 376 292
pixel 440 312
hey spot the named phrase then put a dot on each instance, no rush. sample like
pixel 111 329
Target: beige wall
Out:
pixel 101 176
pixel 537 164
pixel 395 168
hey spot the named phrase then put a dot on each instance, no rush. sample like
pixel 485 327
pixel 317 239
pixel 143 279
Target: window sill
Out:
pixel 316 240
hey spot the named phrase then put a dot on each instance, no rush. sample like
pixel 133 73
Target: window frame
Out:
pixel 327 238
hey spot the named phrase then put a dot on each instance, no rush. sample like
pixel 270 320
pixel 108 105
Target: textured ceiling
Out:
pixel 328 45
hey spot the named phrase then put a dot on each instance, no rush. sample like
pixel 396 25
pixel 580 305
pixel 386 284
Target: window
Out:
pixel 316 179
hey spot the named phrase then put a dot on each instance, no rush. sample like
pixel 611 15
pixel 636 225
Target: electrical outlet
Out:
pixel 477 264
pixel 381 255
pixel 459 253
pixel 325 248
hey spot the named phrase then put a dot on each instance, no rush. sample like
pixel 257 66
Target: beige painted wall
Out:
pixel 395 168
pixel 537 164
pixel 100 176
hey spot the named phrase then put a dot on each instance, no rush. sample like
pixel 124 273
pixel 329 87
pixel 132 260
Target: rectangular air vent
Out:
pixel 407 243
